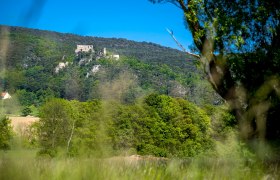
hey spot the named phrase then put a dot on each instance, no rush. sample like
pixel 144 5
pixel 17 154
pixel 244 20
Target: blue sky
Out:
pixel 137 20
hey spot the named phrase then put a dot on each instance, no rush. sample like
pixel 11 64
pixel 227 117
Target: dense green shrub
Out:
pixel 5 133
pixel 162 126
pixel 67 125
pixel 26 111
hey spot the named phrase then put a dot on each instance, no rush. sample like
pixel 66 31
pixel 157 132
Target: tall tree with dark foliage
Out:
pixel 238 46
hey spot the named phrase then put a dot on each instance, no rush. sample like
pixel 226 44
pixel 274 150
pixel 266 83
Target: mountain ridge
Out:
pixel 86 36
pixel 140 50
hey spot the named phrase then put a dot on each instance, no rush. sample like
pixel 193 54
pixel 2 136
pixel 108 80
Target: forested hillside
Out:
pixel 143 68
pixel 146 102
pixel 31 43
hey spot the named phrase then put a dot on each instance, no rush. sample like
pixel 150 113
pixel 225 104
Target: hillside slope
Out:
pixel 24 41
pixel 32 56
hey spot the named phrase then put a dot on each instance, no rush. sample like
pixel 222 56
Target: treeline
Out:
pixel 157 125
pixel 130 77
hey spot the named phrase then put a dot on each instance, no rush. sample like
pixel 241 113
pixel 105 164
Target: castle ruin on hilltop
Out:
pixel 84 59
pixel 88 48
pixel 84 48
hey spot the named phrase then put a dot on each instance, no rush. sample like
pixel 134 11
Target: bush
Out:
pixel 161 126
pixel 26 111
pixel 5 133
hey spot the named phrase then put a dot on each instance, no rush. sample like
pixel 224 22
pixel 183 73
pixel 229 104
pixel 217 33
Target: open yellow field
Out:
pixel 19 124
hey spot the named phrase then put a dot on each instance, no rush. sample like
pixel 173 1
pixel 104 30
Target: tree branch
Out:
pixel 194 26
pixel 71 135
pixel 180 45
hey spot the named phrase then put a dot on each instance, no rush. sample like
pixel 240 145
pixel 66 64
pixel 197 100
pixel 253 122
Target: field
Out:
pixel 23 164
pixel 229 162
pixel 19 124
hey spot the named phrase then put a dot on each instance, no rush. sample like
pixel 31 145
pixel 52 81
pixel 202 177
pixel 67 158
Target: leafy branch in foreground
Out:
pixel 239 51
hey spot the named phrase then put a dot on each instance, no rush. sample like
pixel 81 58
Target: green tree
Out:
pixel 55 125
pixel 188 126
pixel 161 126
pixel 35 78
pixel 5 133
pixel 88 136
pixel 26 98
pixel 238 46
pixel 14 79
pixel 71 126
pixel 10 106
pixel 122 132
pixel 26 111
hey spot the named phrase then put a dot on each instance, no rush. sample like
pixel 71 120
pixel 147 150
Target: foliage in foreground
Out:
pixel 24 165
pixel 238 47
pixel 159 126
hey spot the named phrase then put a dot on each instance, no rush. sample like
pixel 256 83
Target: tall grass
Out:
pixel 25 164
pixel 230 159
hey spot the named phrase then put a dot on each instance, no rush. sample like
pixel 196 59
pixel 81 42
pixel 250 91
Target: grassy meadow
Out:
pixel 230 161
